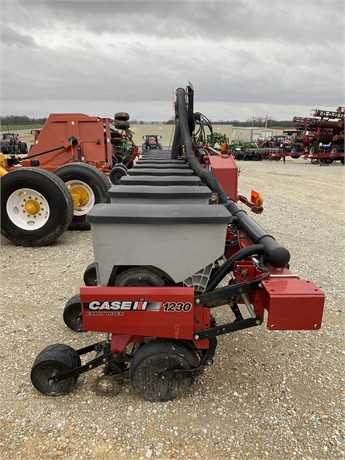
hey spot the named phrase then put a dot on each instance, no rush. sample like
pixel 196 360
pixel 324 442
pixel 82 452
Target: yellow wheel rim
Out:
pixel 82 194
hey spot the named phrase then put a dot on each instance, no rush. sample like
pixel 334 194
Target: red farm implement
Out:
pixel 75 137
pixel 156 295
pixel 84 152
pixel 319 138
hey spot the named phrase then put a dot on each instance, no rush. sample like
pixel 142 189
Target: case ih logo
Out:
pixel 123 305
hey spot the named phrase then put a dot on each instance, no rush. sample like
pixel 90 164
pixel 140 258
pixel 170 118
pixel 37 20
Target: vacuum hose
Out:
pixel 228 266
pixel 274 253
pixel 175 148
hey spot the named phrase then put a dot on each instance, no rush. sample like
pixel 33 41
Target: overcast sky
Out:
pixel 244 57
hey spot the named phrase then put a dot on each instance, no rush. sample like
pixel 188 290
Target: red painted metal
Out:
pixel 225 170
pixel 146 311
pixel 132 314
pixel 93 144
pixel 293 304
pixel 89 131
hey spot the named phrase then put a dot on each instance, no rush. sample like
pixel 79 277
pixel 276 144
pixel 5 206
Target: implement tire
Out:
pixel 121 116
pixel 117 173
pixel 89 185
pixel 36 207
pixel 140 276
pixel 122 125
pixel 151 360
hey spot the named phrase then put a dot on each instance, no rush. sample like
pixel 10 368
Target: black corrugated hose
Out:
pixel 275 254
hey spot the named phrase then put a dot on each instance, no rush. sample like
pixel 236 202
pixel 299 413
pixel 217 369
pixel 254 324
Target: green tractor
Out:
pixel 216 140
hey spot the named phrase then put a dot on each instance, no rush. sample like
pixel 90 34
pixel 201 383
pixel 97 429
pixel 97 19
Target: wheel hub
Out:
pixel 32 207
pixel 104 386
pixel 80 196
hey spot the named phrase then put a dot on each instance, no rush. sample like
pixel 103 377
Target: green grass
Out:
pixel 14 128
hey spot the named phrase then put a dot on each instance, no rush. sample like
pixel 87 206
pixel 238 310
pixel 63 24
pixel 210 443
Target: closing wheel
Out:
pixel 72 314
pixel 90 275
pixel 117 173
pixel 88 186
pixel 139 276
pixel 107 385
pixel 151 360
pixel 36 207
pixel 50 362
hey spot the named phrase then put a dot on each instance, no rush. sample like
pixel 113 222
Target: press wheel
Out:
pixel 149 363
pixel 50 362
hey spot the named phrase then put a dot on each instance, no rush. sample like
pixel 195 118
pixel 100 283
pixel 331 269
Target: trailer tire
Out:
pixel 54 359
pixel 151 360
pixel 90 184
pixel 49 204
pixel 121 116
pixel 72 314
pixel 117 173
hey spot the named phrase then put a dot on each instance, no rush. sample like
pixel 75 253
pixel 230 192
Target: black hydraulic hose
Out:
pixel 42 153
pixel 228 266
pixel 275 254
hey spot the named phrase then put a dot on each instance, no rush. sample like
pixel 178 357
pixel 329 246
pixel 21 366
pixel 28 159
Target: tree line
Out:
pixel 254 121
pixel 258 122
pixel 21 120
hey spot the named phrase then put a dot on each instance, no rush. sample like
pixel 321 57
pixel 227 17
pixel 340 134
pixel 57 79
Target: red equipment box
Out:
pixel 225 170
pixel 293 304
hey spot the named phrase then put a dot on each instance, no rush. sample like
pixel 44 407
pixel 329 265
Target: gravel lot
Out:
pixel 269 395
